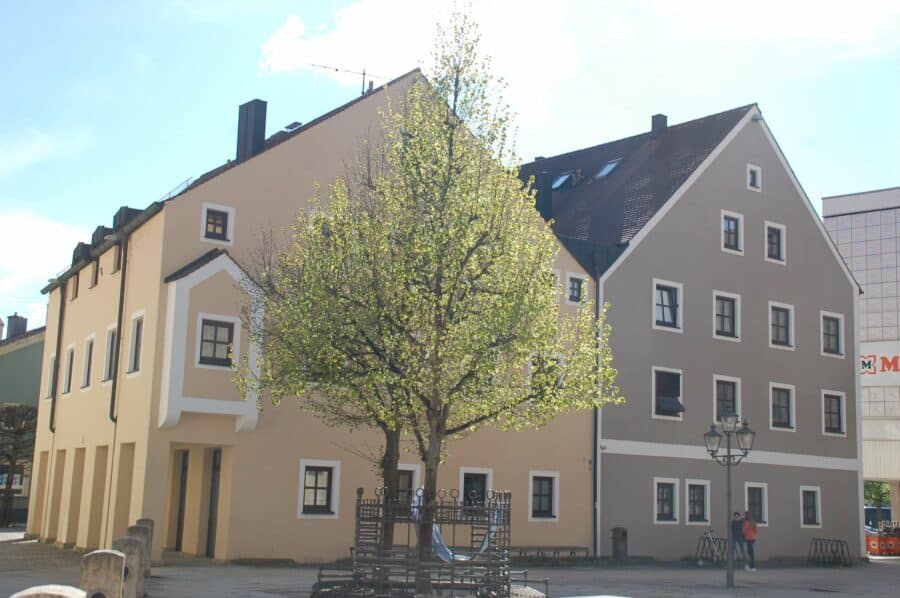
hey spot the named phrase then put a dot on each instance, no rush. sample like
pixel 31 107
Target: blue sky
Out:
pixel 110 104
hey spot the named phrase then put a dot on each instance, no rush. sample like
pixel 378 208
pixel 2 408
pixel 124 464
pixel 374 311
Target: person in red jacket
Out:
pixel 750 540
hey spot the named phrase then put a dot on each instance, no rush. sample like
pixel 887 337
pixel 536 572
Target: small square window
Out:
pixel 775 238
pixel 317 490
pixel 576 289
pixel 216 340
pixel 216 225
pixel 754 177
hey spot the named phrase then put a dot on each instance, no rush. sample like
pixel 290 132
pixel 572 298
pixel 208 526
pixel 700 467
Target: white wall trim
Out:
pixel 783 229
pixel 842 350
pixel 737 316
pixel 737 394
pixel 843 396
pixel 792 316
pixel 706 502
pixel 793 391
pixel 679 305
pixel 661 450
pixel 235 340
pixel 172 400
pixel 653 370
pixel 740 218
pixel 661 213
pixel 335 489
pixel 229 232
pixel 547 474
pixel 675 503
pixel 818 492
pixel 765 501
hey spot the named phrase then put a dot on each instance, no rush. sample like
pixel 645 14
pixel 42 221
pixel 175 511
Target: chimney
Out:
pixel 17 326
pixel 659 122
pixel 251 129
pixel 544 197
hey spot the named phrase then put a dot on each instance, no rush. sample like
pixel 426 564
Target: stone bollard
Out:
pixel 102 573
pixel 143 534
pixel 148 523
pixel 50 591
pixel 133 549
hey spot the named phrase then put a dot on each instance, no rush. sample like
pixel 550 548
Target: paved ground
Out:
pixel 24 564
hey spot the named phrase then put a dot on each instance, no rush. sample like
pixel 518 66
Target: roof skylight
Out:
pixel 561 180
pixel 607 168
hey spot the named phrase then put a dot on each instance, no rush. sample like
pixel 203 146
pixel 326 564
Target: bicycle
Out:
pixel 711 549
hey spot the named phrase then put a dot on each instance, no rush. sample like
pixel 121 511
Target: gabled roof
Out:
pixel 596 218
pixel 195 264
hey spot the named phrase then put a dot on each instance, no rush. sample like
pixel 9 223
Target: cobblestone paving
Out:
pixel 27 563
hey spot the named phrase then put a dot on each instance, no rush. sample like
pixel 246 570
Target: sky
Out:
pixel 110 104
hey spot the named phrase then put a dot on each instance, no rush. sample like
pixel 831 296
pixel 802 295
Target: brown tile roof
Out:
pixel 596 218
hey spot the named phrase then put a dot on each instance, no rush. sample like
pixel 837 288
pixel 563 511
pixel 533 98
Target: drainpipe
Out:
pixel 123 244
pixel 595 513
pixel 54 382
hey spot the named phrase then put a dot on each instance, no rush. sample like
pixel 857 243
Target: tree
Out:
pixel 18 424
pixel 422 297
pixel 877 494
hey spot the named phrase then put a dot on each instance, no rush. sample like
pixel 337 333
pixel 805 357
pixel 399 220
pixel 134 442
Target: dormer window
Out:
pixel 607 168
pixel 218 224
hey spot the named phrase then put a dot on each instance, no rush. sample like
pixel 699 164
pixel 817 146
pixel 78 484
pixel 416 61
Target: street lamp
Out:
pixel 713 442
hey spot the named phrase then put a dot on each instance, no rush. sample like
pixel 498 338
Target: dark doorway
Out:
pixel 213 503
pixel 182 496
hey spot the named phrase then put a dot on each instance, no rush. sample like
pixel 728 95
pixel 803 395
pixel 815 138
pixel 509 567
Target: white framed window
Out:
pixel 666 386
pixel 666 305
pixel 754 177
pixel 776 243
pixel 51 380
pixel 726 396
pixel 109 363
pixel 217 224
pixel 727 316
pixel 810 506
pixel 834 413
pixel 543 495
pixel 70 364
pixel 135 346
pixel 756 500
pixel 475 483
pixel 665 501
pixel 831 334
pixel 696 505
pixel 88 363
pixel 781 326
pixel 782 407
pixel 218 336
pixel 320 484
pixel 575 288
pixel 732 240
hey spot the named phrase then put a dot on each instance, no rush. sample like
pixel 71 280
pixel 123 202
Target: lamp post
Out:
pixel 713 441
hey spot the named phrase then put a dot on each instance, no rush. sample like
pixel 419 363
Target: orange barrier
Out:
pixel 883 544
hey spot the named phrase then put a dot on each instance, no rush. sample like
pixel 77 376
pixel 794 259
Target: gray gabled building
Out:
pixel 725 294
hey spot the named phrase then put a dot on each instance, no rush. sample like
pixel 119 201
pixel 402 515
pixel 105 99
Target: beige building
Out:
pixel 141 417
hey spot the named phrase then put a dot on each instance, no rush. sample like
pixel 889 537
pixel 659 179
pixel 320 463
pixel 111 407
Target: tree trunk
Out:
pixel 6 508
pixel 391 479
pixel 426 518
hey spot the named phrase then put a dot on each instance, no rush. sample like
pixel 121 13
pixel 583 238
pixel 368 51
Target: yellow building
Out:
pixel 141 417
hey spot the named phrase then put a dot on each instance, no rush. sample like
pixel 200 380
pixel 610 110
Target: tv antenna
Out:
pixel 362 73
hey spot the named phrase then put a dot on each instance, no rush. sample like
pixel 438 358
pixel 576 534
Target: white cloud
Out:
pixel 34 250
pixel 35 146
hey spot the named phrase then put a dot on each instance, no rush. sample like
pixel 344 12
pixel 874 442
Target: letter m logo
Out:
pixel 867 364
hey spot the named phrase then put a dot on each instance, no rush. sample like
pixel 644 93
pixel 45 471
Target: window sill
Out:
pixel 317 515
pixel 732 251
pixel 676 418
pixel 214 366
pixel 782 347
pixel 214 241
pixel 782 428
pixel 833 355
pixel 725 337
pixel 772 260
pixel 543 518
pixel 665 522
pixel 666 327
pixel 835 434
pixel 811 525
pixel 698 522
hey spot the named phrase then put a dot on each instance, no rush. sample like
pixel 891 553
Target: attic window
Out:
pixel 561 180
pixel 607 168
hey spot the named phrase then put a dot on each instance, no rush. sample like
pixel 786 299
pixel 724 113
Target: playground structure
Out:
pixel 470 547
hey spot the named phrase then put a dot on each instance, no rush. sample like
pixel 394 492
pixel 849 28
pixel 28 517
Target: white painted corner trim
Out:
pixel 172 402
pixel 698 452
